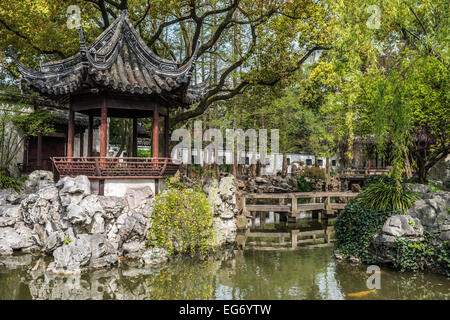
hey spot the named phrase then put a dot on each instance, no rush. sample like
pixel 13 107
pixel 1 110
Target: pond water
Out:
pixel 301 274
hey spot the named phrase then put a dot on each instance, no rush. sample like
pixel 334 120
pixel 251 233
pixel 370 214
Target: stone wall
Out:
pixel 85 231
pixel 79 229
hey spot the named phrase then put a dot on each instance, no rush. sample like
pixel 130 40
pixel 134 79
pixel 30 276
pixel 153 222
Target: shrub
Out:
pixel 354 228
pixel 420 255
pixel 144 154
pixel 303 185
pixel 377 178
pixel 384 195
pixel 182 222
pixel 7 182
pixel 313 173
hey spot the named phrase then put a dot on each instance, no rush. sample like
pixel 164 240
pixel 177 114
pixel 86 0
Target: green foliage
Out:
pixel 354 228
pixel 303 185
pixel 15 125
pixel 67 241
pixel 7 182
pixel 313 173
pixel 144 153
pixel 34 123
pixel 182 222
pixel 434 188
pixel 386 196
pixel 421 255
pixel 376 179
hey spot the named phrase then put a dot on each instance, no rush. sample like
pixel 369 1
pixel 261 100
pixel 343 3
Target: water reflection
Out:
pixel 303 274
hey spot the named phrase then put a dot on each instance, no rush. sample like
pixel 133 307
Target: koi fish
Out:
pixel 361 294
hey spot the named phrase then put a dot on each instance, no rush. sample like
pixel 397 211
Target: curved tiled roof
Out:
pixel 118 61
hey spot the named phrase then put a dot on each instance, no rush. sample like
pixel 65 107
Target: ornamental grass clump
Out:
pixel 182 222
pixel 384 195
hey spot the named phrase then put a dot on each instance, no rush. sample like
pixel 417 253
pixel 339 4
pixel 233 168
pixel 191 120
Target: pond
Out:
pixel 301 274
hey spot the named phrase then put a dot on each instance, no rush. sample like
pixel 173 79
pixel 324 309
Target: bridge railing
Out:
pixel 115 168
pixel 318 201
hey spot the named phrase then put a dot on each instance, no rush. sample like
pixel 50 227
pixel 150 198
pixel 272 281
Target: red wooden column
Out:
pixel 155 141
pixel 166 135
pixel 103 142
pixel 90 135
pixel 135 127
pixel 39 152
pixel 155 137
pixel 103 129
pixel 70 133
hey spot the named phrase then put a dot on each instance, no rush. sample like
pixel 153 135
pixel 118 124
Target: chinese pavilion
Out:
pixel 117 76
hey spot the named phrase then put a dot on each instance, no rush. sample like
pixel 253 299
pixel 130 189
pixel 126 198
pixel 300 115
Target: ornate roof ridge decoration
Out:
pixel 118 60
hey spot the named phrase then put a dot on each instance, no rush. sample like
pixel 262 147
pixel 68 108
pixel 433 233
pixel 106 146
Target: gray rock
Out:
pixel 42 207
pixel 73 190
pixel 103 254
pixel 5 249
pixel 112 206
pixel 403 226
pixel 432 212
pixel 155 256
pixel 417 188
pixel 37 180
pixel 134 228
pixel 77 215
pixel 133 249
pixel 226 187
pixel 7 222
pixel 54 240
pixel 9 196
pixel 97 224
pixel 445 235
pixel 19 238
pixel 261 180
pixel 12 211
pixel 73 257
pixel 225 231
pixel 135 197
pixel 92 206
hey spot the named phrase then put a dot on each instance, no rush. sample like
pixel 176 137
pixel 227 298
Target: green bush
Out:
pixel 7 182
pixel 354 228
pixel 383 195
pixel 377 178
pixel 144 154
pixel 420 255
pixel 182 222
pixel 303 185
pixel 313 173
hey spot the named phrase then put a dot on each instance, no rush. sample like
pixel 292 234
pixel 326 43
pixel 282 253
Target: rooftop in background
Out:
pixel 118 61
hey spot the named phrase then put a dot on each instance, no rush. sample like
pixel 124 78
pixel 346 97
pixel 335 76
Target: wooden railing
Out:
pixel 308 239
pixel 318 201
pixel 115 168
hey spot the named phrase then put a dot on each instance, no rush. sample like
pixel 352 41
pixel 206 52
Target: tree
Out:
pixel 386 88
pixel 284 35
pixel 15 125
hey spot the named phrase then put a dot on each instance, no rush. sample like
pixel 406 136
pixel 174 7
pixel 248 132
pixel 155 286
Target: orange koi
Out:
pixel 361 294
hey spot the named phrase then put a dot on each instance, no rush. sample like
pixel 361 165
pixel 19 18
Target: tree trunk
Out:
pixel 284 166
